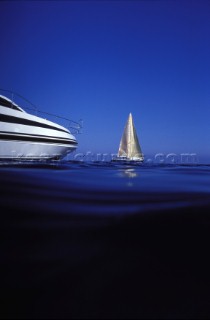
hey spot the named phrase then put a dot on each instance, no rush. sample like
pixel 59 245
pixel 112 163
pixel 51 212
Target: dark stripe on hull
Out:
pixel 26 122
pixel 14 134
pixel 8 137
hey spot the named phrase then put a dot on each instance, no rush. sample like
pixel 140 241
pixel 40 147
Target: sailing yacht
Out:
pixel 129 149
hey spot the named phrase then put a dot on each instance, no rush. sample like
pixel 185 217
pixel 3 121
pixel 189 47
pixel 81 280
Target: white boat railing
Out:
pixel 28 106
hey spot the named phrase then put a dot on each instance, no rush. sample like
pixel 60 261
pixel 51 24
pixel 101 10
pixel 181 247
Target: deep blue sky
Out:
pixel 100 60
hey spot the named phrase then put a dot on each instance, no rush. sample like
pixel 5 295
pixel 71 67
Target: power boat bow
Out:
pixel 25 136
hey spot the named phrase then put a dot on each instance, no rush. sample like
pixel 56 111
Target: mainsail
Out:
pixel 129 144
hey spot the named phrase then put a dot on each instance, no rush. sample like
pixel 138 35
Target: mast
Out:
pixel 129 144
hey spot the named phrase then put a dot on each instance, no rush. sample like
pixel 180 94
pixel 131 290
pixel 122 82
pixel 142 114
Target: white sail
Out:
pixel 129 145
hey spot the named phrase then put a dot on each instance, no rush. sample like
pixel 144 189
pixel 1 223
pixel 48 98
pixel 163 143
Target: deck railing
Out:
pixel 28 106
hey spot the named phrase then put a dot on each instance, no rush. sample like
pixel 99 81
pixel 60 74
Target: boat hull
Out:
pixel 20 150
pixel 128 160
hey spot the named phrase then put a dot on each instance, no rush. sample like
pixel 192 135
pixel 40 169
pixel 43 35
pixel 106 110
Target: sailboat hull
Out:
pixel 128 160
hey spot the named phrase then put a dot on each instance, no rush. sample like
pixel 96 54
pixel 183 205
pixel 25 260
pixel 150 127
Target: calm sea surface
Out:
pixel 103 240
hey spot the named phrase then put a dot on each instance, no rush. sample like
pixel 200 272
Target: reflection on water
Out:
pixel 129 173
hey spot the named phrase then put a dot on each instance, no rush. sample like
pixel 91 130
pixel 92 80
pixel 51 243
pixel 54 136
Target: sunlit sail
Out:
pixel 129 148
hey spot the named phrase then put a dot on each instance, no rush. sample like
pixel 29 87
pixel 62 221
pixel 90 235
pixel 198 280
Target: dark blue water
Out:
pixel 104 240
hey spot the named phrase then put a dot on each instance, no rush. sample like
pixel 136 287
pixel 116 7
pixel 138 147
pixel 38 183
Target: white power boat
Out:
pixel 24 136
